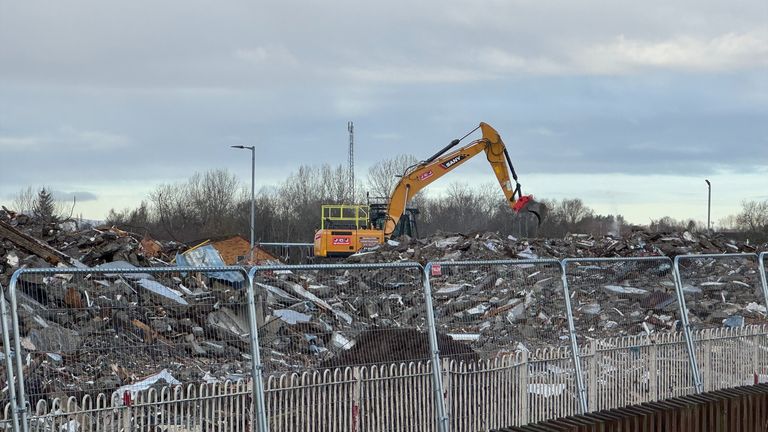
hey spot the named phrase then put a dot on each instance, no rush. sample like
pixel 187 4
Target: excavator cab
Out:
pixel 406 225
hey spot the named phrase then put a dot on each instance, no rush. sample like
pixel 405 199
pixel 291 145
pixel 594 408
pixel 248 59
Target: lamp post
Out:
pixel 709 202
pixel 253 185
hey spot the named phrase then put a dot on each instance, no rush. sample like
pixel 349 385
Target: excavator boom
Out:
pixel 341 237
pixel 446 160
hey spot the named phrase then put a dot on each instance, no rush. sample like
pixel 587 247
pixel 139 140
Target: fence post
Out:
pixel 21 401
pixel 446 374
pixel 574 344
pixel 593 367
pixel 8 361
pixel 522 367
pixel 256 367
pixel 686 326
pixel 705 367
pixel 755 356
pixel 357 393
pixel 761 266
pixel 442 416
pixel 653 372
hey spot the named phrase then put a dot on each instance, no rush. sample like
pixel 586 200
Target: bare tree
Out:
pixel 753 216
pixel 384 175
pixel 24 200
pixel 574 211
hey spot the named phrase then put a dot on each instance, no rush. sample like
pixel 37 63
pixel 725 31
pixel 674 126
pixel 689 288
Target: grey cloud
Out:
pixel 79 195
pixel 573 87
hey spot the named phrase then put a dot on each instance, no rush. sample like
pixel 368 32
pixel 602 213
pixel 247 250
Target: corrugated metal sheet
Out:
pixel 742 409
pixel 208 256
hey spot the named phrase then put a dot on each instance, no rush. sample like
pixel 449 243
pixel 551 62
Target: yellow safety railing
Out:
pixel 357 214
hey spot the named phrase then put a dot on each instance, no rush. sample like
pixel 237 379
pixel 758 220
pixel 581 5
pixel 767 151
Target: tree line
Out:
pixel 215 203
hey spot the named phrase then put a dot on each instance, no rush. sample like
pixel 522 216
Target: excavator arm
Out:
pixel 424 173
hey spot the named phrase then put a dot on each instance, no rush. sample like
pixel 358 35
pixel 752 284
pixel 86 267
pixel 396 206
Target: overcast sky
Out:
pixel 628 105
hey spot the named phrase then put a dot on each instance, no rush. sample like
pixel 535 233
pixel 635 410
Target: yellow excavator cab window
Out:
pixel 344 216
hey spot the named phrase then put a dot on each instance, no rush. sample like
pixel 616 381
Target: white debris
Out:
pixel 12 259
pixel 546 390
pixel 291 316
pixel 465 337
pixel 339 341
pixel 143 385
pixel 625 290
pixel 162 290
pixel 449 241
pixel 527 254
pixel 754 307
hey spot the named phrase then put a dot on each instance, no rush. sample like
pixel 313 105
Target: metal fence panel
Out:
pixel 354 321
pixel 721 291
pixel 291 253
pixel 763 267
pixel 9 404
pixel 500 309
pixel 624 310
pixel 117 332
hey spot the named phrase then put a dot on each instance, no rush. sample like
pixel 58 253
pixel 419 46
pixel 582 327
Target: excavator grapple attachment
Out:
pixel 527 203
pixel 538 209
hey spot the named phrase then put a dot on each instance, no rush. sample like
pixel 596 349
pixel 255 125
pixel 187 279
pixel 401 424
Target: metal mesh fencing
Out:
pixel 631 370
pixel 762 260
pixel 9 404
pixel 719 291
pixel 121 331
pixel 722 290
pixel 291 253
pixel 732 357
pixel 323 317
pixel 622 296
pixel 498 309
pixel 193 407
pixel 613 300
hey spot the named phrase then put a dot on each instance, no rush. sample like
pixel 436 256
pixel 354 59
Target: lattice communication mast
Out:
pixel 351 173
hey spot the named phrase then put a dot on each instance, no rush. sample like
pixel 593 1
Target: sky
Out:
pixel 627 105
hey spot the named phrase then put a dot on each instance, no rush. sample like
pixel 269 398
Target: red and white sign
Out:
pixel 436 270
pixel 426 175
pixel 341 241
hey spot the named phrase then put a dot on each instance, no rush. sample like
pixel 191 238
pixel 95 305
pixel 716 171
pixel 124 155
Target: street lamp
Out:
pixel 253 185
pixel 709 202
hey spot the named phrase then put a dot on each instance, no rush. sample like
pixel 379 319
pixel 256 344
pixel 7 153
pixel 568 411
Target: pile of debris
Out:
pixel 27 242
pixel 102 332
pixel 492 246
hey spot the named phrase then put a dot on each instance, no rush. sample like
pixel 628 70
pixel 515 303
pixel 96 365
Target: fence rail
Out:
pixel 177 349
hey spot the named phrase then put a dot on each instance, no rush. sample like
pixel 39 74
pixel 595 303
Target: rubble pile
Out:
pixel 95 333
pixel 723 292
pixel 26 242
pixel 492 246
pixel 101 332
pixel 498 308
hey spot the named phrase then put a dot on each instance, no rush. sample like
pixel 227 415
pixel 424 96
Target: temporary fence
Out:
pixel 291 253
pixel 497 308
pixel 351 316
pixel 366 347
pixel 222 406
pixel 613 298
pixel 109 334
pixel 716 291
pixel 389 397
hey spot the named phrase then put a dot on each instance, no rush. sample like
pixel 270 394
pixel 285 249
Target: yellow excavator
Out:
pixel 345 229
